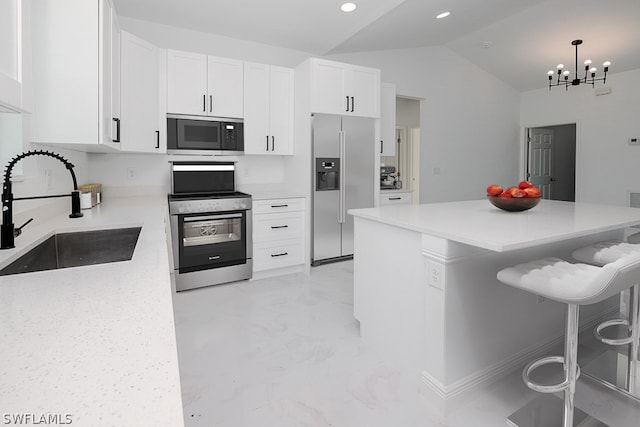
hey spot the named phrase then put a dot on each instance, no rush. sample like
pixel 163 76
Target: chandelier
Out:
pixel 589 73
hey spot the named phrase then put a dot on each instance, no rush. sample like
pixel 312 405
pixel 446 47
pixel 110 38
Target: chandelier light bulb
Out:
pixel 587 62
pixel 566 73
pixel 550 73
pixel 606 63
pixel 560 66
pixel 593 70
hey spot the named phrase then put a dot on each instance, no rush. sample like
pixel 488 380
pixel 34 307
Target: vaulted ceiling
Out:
pixel 516 40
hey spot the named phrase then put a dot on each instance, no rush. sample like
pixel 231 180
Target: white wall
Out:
pixel 408 112
pixel 606 166
pixel 468 120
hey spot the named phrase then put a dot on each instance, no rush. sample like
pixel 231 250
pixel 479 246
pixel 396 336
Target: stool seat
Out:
pixel 582 284
pixel 605 252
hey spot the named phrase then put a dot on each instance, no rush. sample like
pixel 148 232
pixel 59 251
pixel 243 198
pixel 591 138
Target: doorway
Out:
pixel 407 154
pixel 551 160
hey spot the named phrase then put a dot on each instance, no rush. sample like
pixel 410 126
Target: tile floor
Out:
pixel 286 352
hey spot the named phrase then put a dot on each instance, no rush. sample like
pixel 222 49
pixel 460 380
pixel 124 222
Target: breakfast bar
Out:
pixel 437 308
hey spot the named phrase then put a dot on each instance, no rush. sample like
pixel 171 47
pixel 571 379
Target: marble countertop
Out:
pixel 95 345
pixel 478 223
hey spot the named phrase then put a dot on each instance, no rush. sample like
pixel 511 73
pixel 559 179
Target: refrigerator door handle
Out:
pixel 343 174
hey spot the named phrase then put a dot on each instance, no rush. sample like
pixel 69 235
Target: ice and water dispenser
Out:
pixel 327 173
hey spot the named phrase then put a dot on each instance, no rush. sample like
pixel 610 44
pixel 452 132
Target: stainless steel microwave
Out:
pixel 204 135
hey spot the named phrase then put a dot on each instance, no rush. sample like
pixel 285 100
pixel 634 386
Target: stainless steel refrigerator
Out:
pixel 343 178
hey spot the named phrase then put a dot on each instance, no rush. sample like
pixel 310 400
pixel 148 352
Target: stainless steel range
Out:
pixel 211 225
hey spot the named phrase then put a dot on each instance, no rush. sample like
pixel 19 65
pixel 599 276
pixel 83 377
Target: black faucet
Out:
pixel 8 232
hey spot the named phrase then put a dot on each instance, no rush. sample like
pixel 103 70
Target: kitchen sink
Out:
pixel 64 250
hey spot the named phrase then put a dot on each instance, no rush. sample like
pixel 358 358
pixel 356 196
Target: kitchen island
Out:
pixel 426 293
pixel 92 345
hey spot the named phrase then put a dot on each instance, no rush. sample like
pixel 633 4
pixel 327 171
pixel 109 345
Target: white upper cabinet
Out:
pixel 346 89
pixel 14 29
pixel 204 85
pixel 140 125
pixel 388 120
pixel 268 109
pixel 75 73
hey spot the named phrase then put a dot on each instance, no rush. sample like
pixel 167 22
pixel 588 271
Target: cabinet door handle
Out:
pixel 117 130
pixel 157 139
pixel 267 142
pixel 211 103
pixel 281 254
pixel 204 102
pixel 353 103
pixel 279 226
pixel 347 104
pixel 273 143
pixel 395 198
pixel 279 206
pixel 381 146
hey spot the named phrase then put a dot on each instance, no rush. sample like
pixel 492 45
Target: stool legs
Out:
pixel 570 362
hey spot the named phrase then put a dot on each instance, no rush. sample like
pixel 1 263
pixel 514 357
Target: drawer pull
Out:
pixel 281 254
pixel 279 206
pixel 395 198
pixel 279 226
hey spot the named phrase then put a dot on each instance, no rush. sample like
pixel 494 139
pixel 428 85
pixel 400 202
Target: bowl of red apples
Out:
pixel 514 199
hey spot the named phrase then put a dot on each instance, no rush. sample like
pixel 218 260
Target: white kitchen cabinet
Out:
pixel 388 119
pixel 204 85
pixel 14 54
pixel 338 88
pixel 393 197
pixel 278 233
pixel 268 109
pixel 140 125
pixel 76 74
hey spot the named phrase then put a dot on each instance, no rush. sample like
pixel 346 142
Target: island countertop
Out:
pixel 478 223
pixel 92 345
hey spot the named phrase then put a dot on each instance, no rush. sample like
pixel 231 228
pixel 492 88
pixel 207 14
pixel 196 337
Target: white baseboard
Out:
pixel 452 396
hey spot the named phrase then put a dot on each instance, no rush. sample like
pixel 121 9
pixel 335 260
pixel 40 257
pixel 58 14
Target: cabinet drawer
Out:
pixel 395 199
pixel 277 205
pixel 278 226
pixel 282 254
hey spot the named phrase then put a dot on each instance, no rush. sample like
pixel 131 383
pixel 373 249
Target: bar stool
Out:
pixel 574 285
pixel 603 253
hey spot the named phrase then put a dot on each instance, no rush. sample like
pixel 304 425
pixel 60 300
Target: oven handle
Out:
pixel 210 217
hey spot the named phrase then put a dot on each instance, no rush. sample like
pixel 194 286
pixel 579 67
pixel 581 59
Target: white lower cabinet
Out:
pixel 395 198
pixel 278 233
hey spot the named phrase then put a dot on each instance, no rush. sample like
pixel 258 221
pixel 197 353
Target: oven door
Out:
pixel 211 240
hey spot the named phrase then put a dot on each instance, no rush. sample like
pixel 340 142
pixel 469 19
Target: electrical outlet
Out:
pixel 131 173
pixel 634 141
pixel 435 274
pixel 48 179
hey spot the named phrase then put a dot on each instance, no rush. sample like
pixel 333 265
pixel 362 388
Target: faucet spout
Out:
pixel 8 230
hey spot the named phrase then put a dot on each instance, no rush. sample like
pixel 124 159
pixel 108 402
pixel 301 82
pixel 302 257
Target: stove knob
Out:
pixel 181 209
pixel 243 205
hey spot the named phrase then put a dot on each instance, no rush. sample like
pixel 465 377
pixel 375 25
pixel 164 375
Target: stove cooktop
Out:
pixel 214 195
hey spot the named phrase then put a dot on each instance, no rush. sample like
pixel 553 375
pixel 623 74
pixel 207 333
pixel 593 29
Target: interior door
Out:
pixel 540 160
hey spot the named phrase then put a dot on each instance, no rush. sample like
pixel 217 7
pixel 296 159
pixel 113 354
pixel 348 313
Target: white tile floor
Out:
pixel 286 352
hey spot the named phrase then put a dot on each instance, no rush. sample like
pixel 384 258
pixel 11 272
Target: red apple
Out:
pixel 532 192
pixel 515 192
pixel 525 184
pixel 494 190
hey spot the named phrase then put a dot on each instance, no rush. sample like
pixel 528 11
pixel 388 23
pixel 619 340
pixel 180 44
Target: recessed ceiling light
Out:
pixel 348 7
pixel 443 15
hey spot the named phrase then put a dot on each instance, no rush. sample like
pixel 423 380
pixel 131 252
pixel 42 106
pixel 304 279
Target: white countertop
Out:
pixel 478 223
pixel 94 343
